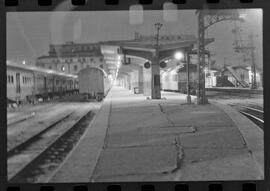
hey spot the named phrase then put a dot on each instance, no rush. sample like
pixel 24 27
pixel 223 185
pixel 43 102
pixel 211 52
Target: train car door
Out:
pixel 18 83
pixel 45 83
pixel 53 81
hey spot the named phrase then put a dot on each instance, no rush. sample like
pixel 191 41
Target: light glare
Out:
pixel 179 55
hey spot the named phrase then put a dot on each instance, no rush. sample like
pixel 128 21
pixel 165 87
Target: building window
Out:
pixel 62 68
pixel 12 79
pixel 75 68
pixel 92 59
pixel 101 59
pixel 50 67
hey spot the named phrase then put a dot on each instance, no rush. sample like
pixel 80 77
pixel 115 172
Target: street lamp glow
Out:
pixel 179 55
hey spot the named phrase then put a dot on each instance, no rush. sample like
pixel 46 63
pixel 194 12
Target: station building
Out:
pixel 71 57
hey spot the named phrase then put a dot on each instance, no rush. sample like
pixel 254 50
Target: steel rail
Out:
pixel 32 139
pixel 44 153
pixel 253 109
pixel 252 116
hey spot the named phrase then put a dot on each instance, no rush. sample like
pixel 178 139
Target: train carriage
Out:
pixel 93 83
pixel 19 83
pixel 175 79
pixel 29 83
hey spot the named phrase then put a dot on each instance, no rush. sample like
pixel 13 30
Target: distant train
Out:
pixel 175 79
pixel 29 83
pixel 93 83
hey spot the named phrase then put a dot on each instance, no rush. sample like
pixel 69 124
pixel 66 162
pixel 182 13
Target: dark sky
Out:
pixel 29 34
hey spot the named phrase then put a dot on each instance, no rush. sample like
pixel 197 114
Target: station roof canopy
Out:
pixel 148 43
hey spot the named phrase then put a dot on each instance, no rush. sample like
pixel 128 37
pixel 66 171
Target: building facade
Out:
pixel 70 58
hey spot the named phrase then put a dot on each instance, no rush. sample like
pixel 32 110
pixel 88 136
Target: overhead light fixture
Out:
pixel 179 55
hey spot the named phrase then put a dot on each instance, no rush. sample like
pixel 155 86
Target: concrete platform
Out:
pixel 136 139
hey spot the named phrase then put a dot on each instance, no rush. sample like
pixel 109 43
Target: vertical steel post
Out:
pixel 201 99
pixel 155 93
pixel 155 77
pixel 188 82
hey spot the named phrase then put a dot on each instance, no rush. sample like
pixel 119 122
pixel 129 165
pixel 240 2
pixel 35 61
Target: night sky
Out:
pixel 30 33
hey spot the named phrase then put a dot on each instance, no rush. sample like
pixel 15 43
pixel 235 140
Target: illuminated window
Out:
pixel 63 68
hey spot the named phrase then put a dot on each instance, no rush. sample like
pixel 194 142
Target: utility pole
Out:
pixel 207 18
pixel 247 48
pixel 224 63
pixel 252 48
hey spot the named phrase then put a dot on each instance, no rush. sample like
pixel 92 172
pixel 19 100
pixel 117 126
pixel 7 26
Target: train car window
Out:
pixel 75 68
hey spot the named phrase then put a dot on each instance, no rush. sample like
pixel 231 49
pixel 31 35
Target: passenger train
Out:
pixel 94 83
pixel 175 79
pixel 27 83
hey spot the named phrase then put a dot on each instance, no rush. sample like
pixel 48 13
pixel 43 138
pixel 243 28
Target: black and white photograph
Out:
pixel 135 95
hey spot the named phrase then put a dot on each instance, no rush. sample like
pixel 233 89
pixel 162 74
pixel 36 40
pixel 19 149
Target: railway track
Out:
pixel 34 160
pixel 254 113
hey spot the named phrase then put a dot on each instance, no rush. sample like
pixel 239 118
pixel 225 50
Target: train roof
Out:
pixel 34 68
pixel 94 67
